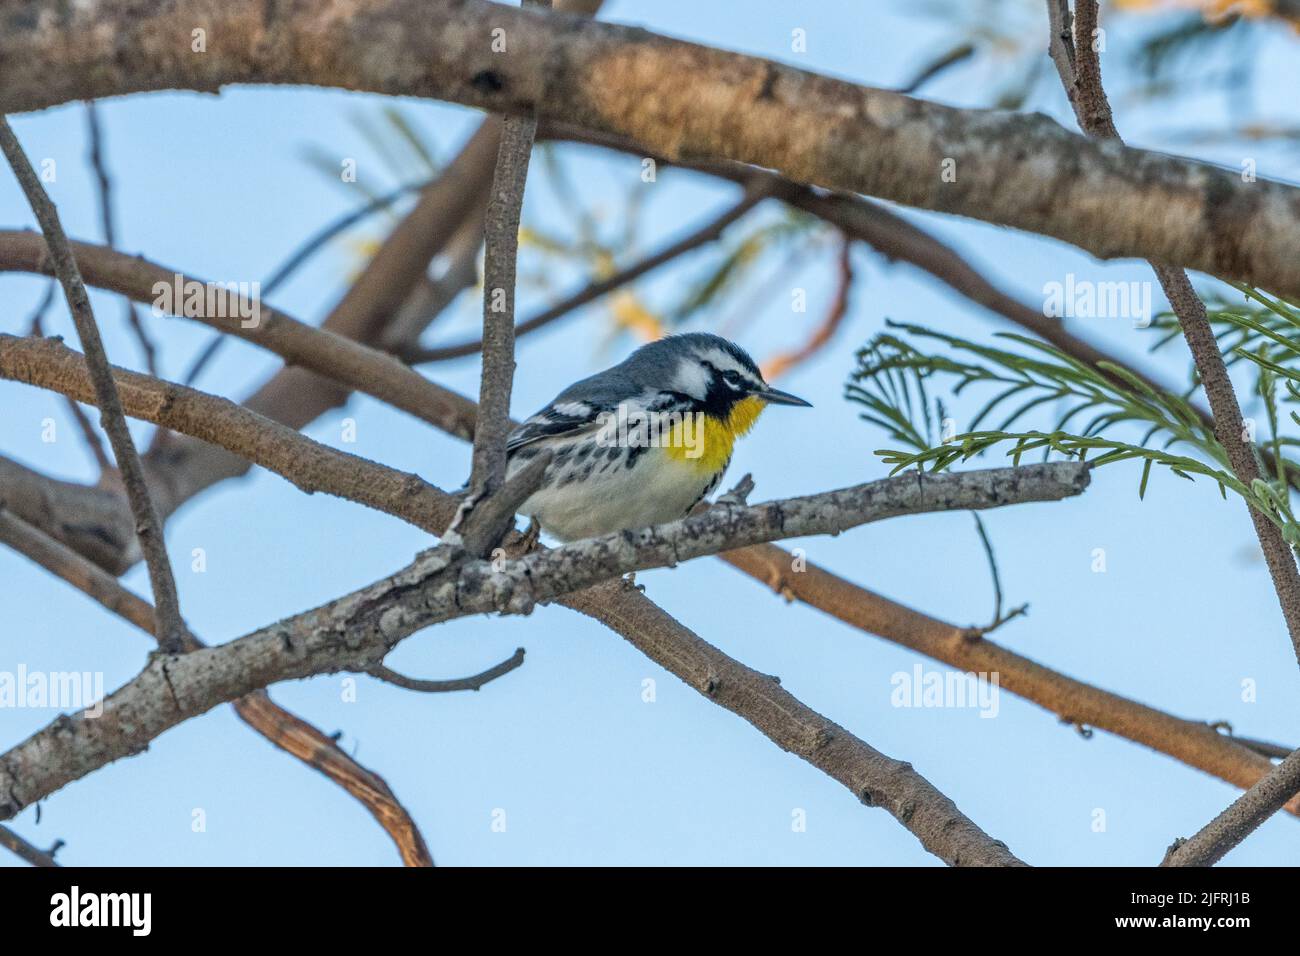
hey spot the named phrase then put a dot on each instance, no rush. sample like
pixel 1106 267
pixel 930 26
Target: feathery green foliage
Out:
pixel 1041 399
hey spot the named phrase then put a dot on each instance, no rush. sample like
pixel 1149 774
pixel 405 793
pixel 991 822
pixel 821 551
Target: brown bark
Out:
pixel 1018 170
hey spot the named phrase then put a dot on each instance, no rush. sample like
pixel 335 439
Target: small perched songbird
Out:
pixel 641 443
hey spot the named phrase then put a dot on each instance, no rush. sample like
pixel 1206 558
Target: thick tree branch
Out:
pixel 1018 170
pixel 340 359
pixel 357 630
pixel 169 627
pixel 874 778
pixel 725 527
pixel 311 466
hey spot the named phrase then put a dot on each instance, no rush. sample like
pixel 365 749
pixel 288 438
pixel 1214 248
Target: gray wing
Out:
pixel 582 406
pixel 575 410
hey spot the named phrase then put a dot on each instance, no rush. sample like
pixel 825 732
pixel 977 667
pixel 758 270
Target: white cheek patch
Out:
pixel 692 379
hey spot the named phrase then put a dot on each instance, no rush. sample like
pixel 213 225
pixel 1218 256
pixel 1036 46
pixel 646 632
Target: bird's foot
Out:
pixel 532 534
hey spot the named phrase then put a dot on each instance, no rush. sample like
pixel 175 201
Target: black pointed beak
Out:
pixel 774 396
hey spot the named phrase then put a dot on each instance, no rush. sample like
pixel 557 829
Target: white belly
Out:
pixel 613 497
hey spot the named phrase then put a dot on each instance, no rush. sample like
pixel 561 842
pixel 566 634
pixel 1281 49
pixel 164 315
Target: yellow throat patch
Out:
pixel 710 451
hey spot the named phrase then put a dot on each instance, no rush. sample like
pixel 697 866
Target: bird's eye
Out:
pixel 732 378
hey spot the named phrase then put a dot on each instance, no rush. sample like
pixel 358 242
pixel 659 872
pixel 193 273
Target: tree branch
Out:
pixel 709 232
pixel 355 631
pixel 1195 743
pixel 1239 820
pixel 81 573
pixel 105 194
pixel 874 778
pixel 322 753
pixel 501 250
pixel 1080 70
pixel 169 627
pixel 1018 170
pixel 895 238
pixel 286 731
pixel 389 676
pixel 324 352
pixel 24 850
pixel 614 605
pixel 308 464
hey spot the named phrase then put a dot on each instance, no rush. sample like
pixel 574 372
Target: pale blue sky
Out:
pixel 584 769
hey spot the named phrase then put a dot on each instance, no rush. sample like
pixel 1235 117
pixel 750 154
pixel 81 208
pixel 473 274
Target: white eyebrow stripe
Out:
pixel 724 361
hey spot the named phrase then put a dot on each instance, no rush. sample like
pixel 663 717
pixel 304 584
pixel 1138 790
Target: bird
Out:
pixel 643 442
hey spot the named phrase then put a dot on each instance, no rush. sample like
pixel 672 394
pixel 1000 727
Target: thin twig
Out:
pixel 36 321
pixel 36 324
pixel 92 439
pixel 999 618
pixel 708 232
pixel 781 363
pixel 170 628
pixel 958 54
pixel 475 682
pixel 501 244
pixel 12 841
pixel 301 254
pixel 105 190
pixel 993 565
